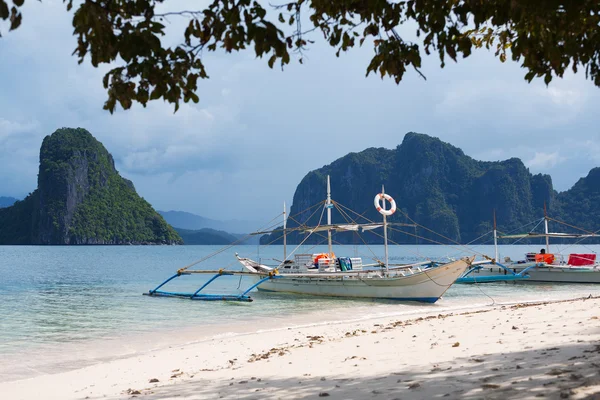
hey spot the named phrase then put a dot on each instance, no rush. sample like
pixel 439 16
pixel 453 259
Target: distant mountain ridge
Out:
pixel 205 236
pixel 7 201
pixel 195 229
pixel 82 199
pixel 441 188
pixel 186 220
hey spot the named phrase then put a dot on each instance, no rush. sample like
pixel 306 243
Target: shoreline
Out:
pixel 350 350
pixel 102 350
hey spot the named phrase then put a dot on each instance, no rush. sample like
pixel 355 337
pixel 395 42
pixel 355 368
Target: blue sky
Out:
pixel 256 132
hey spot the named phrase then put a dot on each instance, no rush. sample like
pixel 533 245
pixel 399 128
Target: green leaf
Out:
pixel 4 11
pixel 15 19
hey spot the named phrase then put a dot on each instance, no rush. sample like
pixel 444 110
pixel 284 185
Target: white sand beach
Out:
pixel 526 350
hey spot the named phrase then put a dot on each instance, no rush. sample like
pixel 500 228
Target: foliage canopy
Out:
pixel 546 36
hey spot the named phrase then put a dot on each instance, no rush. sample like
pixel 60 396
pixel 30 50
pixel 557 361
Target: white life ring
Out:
pixel 380 208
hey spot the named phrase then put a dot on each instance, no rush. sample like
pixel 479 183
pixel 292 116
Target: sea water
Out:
pixel 62 307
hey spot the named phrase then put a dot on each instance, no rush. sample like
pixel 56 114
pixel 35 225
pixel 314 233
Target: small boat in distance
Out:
pixel 324 274
pixel 543 266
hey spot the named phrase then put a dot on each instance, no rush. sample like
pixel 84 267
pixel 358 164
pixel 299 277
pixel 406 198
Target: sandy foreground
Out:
pixel 535 350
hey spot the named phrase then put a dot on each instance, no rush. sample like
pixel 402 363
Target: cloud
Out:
pixel 256 132
pixel 19 148
pixel 541 161
pixel 11 128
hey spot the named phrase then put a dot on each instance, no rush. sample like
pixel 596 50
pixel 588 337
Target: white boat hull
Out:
pixel 546 274
pixel 425 286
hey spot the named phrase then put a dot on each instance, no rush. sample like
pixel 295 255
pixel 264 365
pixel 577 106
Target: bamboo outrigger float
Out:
pixel 326 275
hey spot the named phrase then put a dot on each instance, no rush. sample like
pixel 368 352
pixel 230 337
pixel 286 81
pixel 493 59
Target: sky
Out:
pixel 241 151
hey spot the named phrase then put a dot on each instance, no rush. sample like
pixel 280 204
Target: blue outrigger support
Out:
pixel 208 283
pixel 207 297
pixel 260 283
pixel 513 276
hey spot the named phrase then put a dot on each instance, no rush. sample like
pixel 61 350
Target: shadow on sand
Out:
pixel 570 371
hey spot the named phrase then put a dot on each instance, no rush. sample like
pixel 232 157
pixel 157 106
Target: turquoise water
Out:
pixel 72 305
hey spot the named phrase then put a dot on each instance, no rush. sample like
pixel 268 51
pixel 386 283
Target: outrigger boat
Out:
pixel 326 275
pixel 537 267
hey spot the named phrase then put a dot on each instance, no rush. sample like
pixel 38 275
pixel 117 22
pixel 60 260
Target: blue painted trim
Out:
pixel 492 278
pixel 259 283
pixel 208 283
pixel 418 299
pixel 204 297
pixel 524 272
pixel 164 283
pixel 478 267
pixel 508 269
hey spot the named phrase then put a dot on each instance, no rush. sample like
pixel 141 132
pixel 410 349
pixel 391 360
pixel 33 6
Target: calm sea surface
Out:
pixel 72 306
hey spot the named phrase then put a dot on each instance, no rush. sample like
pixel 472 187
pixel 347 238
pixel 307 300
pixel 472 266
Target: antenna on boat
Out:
pixel 385 238
pixel 495 238
pixel 546 229
pixel 284 228
pixel 328 205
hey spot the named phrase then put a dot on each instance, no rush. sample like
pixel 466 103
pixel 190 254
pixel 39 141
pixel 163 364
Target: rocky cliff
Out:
pixel 580 205
pixel 82 199
pixel 440 187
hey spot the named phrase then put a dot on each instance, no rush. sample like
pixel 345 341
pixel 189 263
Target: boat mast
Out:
pixel 328 205
pixel 546 229
pixel 284 227
pixel 495 239
pixel 385 239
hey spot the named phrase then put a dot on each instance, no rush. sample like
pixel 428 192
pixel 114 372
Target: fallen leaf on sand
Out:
pixel 456 344
pixel 490 386
pixel 556 372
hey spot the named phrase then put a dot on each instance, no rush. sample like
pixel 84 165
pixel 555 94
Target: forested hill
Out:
pixel 82 199
pixel 580 205
pixel 205 236
pixel 441 188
